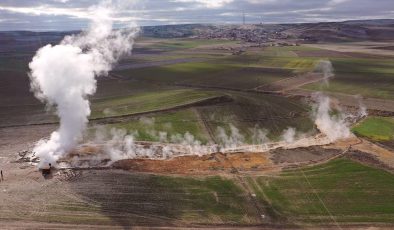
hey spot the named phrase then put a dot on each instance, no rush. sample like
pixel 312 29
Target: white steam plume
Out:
pixel 362 109
pixel 325 67
pixel 259 136
pixel 233 140
pixel 64 76
pixel 289 135
pixel 333 126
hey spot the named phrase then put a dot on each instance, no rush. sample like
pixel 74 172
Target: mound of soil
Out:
pixel 208 164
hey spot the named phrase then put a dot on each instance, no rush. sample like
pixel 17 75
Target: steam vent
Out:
pixel 197 114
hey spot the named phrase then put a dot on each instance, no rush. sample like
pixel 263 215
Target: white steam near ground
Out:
pixel 330 120
pixel 64 76
pixel 325 68
pixel 362 111
pixel 289 135
pixel 334 126
pixel 234 139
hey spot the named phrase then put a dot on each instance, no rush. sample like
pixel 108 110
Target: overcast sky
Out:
pixel 74 14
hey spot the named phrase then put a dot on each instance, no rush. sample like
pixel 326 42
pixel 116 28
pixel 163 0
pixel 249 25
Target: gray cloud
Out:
pixel 73 14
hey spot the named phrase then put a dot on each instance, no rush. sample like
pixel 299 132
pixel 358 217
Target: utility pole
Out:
pixel 244 17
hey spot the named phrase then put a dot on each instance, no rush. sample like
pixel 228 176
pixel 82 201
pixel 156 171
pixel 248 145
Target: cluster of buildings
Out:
pixel 246 33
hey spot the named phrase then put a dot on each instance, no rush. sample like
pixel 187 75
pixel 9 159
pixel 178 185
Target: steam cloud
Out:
pixel 333 126
pixel 289 135
pixel 325 67
pixel 234 139
pixel 63 76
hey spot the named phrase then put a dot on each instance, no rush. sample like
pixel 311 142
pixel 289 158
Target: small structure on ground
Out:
pixel 46 169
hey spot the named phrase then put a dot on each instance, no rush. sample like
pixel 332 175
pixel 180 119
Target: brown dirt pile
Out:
pixel 214 163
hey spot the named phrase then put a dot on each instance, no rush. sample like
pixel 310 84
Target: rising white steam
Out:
pixel 259 136
pixel 362 109
pixel 63 76
pixel 232 140
pixel 334 126
pixel 289 135
pixel 325 68
pixel 124 146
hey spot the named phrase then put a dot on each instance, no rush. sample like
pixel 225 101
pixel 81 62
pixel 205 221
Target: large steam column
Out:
pixel 64 75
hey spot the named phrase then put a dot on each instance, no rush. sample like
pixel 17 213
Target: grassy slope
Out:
pixel 376 128
pixel 172 123
pixel 351 192
pixel 367 77
pixel 275 114
pixel 364 76
pixel 272 113
pixel 149 101
pixel 244 71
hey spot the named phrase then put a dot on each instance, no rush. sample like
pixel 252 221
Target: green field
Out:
pixel 247 112
pixel 366 77
pixel 209 74
pixel 376 128
pixel 168 124
pixel 148 101
pixel 338 191
pixel 272 113
pixel 210 198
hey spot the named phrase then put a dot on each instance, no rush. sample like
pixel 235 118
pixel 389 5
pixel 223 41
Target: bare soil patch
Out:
pixel 16 139
pixel 302 155
pixel 367 159
pixel 209 164
pixel 387 144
